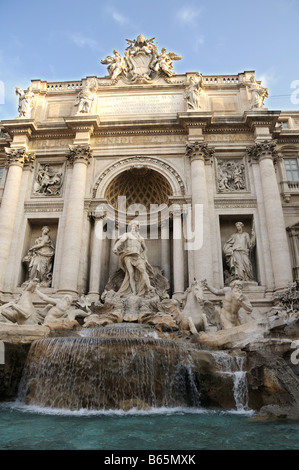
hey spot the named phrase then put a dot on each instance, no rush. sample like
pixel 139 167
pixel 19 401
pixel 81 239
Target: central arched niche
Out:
pixel 141 187
pixel 144 181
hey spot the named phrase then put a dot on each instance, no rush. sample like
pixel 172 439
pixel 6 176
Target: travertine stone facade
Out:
pixel 179 140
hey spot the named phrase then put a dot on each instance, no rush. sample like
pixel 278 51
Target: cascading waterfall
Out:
pixel 116 367
pixel 234 366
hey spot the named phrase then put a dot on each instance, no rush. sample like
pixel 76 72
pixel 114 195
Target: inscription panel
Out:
pixel 140 104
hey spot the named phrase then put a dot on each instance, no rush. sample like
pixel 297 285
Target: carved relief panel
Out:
pixel 231 175
pixel 48 180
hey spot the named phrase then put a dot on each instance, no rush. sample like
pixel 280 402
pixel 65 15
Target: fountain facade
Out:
pixel 154 199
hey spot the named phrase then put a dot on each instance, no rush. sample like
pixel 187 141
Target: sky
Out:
pixel 65 40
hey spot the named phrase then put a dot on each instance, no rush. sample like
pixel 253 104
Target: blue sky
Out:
pixel 66 40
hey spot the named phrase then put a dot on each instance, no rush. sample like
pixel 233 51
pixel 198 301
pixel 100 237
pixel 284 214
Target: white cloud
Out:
pixel 267 78
pixel 198 42
pixel 188 15
pixel 117 16
pixel 82 41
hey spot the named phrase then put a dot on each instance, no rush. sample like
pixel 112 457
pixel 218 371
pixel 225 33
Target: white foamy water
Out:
pixel 234 366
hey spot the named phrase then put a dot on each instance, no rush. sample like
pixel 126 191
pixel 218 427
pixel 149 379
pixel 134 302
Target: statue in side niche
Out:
pixel 233 300
pixel 237 253
pixel 25 102
pixel 131 250
pixel 39 259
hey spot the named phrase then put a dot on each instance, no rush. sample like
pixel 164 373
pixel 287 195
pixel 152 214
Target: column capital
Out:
pixel 79 153
pixel 263 150
pixel 98 214
pixel 19 156
pixel 199 151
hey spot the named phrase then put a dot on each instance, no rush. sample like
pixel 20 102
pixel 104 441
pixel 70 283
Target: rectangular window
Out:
pixel 292 169
pixel 284 124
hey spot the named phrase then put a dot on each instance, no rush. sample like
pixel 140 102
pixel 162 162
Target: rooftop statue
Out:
pixel 258 93
pixel 116 65
pixel 25 102
pixel 86 96
pixel 142 61
pixel 192 94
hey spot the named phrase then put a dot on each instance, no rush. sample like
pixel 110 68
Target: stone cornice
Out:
pixel 195 119
pixel 20 127
pixel 147 131
pixel 43 206
pixel 83 123
pixel 231 203
pixel 179 200
pixel 261 118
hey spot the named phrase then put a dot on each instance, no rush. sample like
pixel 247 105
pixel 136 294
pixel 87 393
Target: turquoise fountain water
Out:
pixel 124 387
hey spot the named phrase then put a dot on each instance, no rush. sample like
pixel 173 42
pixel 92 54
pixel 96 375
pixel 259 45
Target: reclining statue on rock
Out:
pixel 233 300
pixel 22 311
pixel 60 308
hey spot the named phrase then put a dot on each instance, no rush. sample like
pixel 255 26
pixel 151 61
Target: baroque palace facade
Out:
pixel 204 146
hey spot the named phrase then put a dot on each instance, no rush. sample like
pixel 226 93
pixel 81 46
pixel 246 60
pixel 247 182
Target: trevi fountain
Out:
pixel 184 300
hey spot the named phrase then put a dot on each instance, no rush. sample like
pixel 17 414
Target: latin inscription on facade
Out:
pixel 141 104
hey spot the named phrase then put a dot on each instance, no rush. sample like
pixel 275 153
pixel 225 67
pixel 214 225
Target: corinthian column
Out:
pixel 96 256
pixel 200 155
pixel 178 254
pixel 72 240
pixel 264 152
pixel 16 158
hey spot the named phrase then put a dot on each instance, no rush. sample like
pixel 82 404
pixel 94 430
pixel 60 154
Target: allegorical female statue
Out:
pixel 237 253
pixel 39 259
pixel 25 102
pixel 192 93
